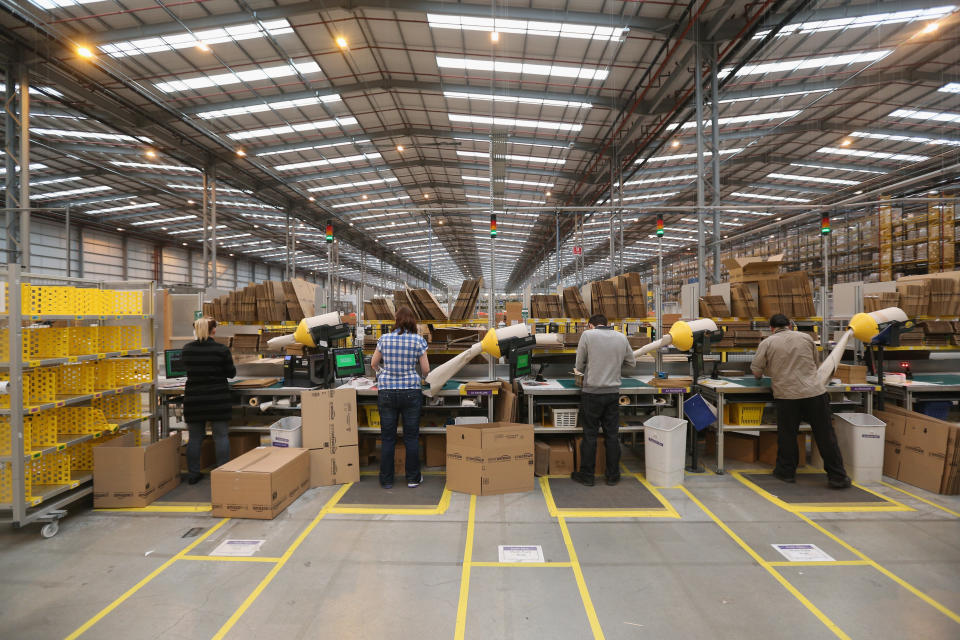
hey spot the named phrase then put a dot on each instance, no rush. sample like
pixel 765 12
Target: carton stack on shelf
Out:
pixel 467 300
pixel 267 302
pixel 603 298
pixel 573 305
pixel 378 309
pixel 545 306
pixel 714 307
pixel 426 306
pixel 883 300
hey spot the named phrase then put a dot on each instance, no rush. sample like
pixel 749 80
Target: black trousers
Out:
pixel 600 410
pixel 816 411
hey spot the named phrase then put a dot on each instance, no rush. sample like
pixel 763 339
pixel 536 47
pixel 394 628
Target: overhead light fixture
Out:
pixel 685 156
pixel 791 176
pixel 84 52
pixel 203 46
pixel 846 142
pixel 150 165
pixel 89 135
pixel 151 153
pixel 119 228
pixel 525 28
pixel 548 194
pixel 364 196
pixel 675 144
pixel 341 42
pixel 745 119
pixel 871 20
pixel 312 199
pixel 514 157
pixel 190 202
pixel 879 155
pixel 516 99
pixel 241 153
pixel 494 36
pixel 400 148
pixel 427 196
pixel 199 39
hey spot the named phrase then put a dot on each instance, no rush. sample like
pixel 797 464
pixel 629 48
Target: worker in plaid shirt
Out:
pixel 400 394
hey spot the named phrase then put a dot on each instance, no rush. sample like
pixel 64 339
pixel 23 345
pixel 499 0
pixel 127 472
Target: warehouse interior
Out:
pixel 302 173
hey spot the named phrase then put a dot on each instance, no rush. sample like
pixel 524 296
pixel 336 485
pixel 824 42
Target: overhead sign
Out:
pixel 577 251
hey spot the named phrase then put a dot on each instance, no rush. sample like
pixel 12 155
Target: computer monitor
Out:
pixel 348 362
pixel 173 360
pixel 522 367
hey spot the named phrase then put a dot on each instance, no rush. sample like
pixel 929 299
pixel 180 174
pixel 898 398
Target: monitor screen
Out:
pixel 348 362
pixel 523 362
pixel 173 361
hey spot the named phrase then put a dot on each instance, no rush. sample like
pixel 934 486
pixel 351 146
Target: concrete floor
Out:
pixel 366 574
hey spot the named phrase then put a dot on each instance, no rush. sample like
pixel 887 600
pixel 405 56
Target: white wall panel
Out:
pixel 139 259
pixel 175 266
pixel 102 256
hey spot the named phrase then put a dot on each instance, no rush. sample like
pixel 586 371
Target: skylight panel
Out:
pixel 250 75
pixel 197 187
pixel 879 155
pixel 151 165
pixel 34 166
pixel 763 196
pixel 126 207
pixel 815 165
pixel 526 28
pixel 206 37
pixel 799 178
pixel 88 135
pixel 722 222
pixel 542 102
pixel 197 230
pixel 477 196
pixel 808 63
pixel 294 128
pixel 686 156
pixel 50 5
pixel 162 220
pixel 310 147
pixel 935 116
pixel 268 105
pixel 244 203
pixel 502 66
pixel 686 176
pixel 873 20
pixel 649 196
pixel 511 122
pixel 365 202
pixel 953 142
pixel 351 185
pixel 56 181
pixel 756 117
pixel 771 96
pixel 320 163
pixel 68 192
pixel 545 185
pixel 953 87
pixel 515 158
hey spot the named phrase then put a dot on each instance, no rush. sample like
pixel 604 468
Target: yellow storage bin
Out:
pixel 83 340
pixel 127 405
pixel 745 414
pixel 130 371
pixel 373 416
pixel 113 339
pixel 77 379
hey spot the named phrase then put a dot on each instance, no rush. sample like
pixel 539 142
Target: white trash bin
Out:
pixel 664 450
pixel 287 432
pixel 860 436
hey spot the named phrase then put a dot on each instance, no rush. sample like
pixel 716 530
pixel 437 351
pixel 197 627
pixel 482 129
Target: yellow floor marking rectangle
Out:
pixel 889 505
pixel 279 564
pixel 461 627
pixel 522 565
pixel 153 574
pixel 916 497
pixel 230 559
pixel 668 511
pixel 401 510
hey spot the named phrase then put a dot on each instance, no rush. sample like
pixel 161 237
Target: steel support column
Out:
pixel 715 156
pixel 24 160
pixel 701 226
pixel 213 228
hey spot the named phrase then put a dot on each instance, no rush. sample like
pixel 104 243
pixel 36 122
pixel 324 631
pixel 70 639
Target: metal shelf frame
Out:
pixel 48 501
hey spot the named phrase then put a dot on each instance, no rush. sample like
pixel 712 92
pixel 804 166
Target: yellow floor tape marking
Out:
pixel 820 563
pixel 465 573
pixel 581 582
pixel 422 472
pixel 903 583
pixel 889 505
pixel 400 510
pixel 153 574
pixel 837 631
pixel 916 497
pixel 668 511
pixel 163 508
pixel 279 564
pixel 523 565
pixel 230 559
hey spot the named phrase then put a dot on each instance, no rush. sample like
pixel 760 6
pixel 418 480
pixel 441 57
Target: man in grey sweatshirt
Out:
pixel 601 352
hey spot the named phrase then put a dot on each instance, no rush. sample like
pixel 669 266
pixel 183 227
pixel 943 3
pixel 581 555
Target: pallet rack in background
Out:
pixel 70 387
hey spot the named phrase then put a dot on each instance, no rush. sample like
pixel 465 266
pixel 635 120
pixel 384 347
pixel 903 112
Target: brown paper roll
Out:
pixel 624 400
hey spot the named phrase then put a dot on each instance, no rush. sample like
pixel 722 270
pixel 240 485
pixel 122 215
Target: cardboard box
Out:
pixel 561 457
pixel 334 466
pixel 851 374
pixel 126 475
pixel 514 312
pixel 600 464
pixel 736 446
pixel 208 455
pixel 487 459
pixel 260 483
pixel 435 450
pixel 329 418
pixel 541 458
pixel 505 409
pixel 240 443
pixel 892 441
pixel 753 268
pixel 767 448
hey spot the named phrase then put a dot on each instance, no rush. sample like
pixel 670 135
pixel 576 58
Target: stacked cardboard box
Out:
pixel 266 302
pixel 487 459
pixel 883 300
pixel 714 307
pixel 245 343
pixel 545 306
pixel 573 305
pixel 921 450
pixel 603 298
pixel 914 298
pixel 466 302
pixel 554 457
pixel 330 433
pixel 940 297
pixel 937 333
pixel 378 309
pixel 742 302
pixel 636 293
pixel 259 484
pixel 426 306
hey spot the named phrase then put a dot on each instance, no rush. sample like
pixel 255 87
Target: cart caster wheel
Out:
pixel 50 529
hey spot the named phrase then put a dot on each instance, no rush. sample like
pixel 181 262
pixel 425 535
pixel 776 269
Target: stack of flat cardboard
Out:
pixel 789 294
pixel 714 307
pixel 299 295
pixel 937 333
pixel 466 302
pixel 545 306
pixel 426 306
pixel 245 343
pixel 914 297
pixel 742 302
pixel 603 299
pixel 941 297
pixel 882 300
pixel 631 296
pixel 573 305
pixel 266 302
pixel 753 268
pixel 921 450
pixel 378 309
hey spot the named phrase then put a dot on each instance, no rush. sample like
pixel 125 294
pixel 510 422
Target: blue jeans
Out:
pixel 221 443
pixel 392 405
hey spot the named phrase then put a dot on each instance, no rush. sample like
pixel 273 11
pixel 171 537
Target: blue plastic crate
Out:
pixel 699 412
pixel 939 409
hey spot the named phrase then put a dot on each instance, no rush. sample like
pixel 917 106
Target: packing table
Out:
pixel 927 386
pixel 564 391
pixel 750 390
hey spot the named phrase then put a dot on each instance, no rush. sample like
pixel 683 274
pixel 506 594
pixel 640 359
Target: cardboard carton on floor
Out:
pixel 600 465
pixel 736 446
pixel 487 459
pixel 126 475
pixel 928 452
pixel 892 441
pixel 435 450
pixel 208 455
pixel 240 443
pixel 541 458
pixel 767 448
pixel 334 466
pixel 561 457
pixel 260 483
pixel 329 418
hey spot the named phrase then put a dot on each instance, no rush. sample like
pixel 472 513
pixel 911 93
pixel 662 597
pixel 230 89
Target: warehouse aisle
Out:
pixel 332 569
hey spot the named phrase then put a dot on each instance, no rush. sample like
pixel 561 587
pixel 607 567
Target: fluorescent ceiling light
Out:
pixel 150 165
pixel 682 177
pixel 350 185
pixel 727 224
pixel 309 147
pixel 392 225
pixel 516 100
pixel 126 207
pixel 250 75
pixel 791 176
pixel 953 142
pixel 502 66
pixel 763 196
pixel 268 105
pixel 757 117
pixel 293 128
pixel 686 156
pixel 650 196
pixel 162 220
pixel 56 181
pixel 244 203
pixel 525 27
pixel 50 5
pixel 879 155
pixel 952 87
pixel 39 91
pixel 936 116
pixel 559 145
pixel 519 200
pixel 516 158
pixel 512 122
pixel 873 20
pixel 808 63
pixel 545 185
pixel 34 166
pixel 239 235
pixel 197 187
pixel 63 116
pixel 749 213
pixel 320 163
pixel 834 168
pixel 365 202
pixel 197 230
pixel 89 135
pixel 68 192
pixel 774 95
pixel 232 33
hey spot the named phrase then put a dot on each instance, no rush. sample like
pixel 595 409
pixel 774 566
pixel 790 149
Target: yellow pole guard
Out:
pixel 490 344
pixel 864 327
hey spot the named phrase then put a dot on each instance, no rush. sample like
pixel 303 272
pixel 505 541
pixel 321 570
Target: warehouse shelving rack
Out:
pixel 60 484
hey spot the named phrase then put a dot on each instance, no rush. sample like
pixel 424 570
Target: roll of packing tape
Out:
pixel 624 401
pixel 254 401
